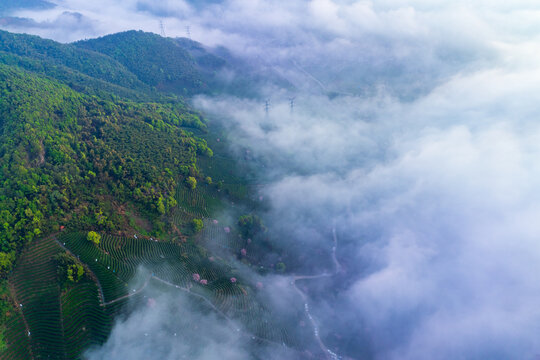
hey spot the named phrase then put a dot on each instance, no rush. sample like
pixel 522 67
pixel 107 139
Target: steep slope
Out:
pixel 157 61
pixel 183 66
pixel 48 52
pixel 59 148
pixel 87 143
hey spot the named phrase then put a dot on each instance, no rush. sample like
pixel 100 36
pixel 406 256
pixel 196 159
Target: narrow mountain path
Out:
pixel 330 355
pixel 133 293
pixel 87 268
pixel 14 298
pixel 225 316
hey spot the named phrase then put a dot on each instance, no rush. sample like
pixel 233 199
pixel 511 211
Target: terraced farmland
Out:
pixel 199 202
pixel 113 280
pixel 63 324
pixel 118 259
pixel 217 236
pixel 175 265
pixel 17 339
pixel 85 321
pixel 37 291
pixel 51 324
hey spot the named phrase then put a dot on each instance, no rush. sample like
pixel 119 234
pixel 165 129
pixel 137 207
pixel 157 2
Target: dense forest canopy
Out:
pixel 74 124
pixel 155 60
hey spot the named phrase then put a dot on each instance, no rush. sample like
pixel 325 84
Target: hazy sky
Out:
pixel 427 160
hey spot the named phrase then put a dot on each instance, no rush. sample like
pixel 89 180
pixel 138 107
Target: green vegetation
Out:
pixel 250 225
pixel 50 321
pixel 65 156
pixel 156 61
pixel 93 237
pixel 191 182
pixel 36 288
pixel 78 68
pixel 5 309
pixel 197 225
pixel 6 259
pixel 95 167
pixel 119 257
pixel 68 268
pixel 85 322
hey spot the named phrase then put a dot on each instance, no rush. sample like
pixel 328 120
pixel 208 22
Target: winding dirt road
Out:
pixel 337 268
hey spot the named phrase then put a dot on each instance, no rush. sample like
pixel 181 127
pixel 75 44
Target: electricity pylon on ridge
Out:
pixel 161 28
pixel 267 106
pixel 291 103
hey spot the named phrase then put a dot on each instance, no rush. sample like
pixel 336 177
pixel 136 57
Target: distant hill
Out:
pixel 183 66
pixel 80 68
pixel 158 61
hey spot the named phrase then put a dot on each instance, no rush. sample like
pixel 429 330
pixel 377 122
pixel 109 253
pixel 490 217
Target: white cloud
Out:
pixel 169 326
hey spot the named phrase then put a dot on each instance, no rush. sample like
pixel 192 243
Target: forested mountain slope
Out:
pixel 104 167
pixel 155 60
pixel 183 66
pixel 47 54
pixel 59 147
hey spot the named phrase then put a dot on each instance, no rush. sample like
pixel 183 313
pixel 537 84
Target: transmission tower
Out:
pixel 267 106
pixel 162 28
pixel 188 32
pixel 291 103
